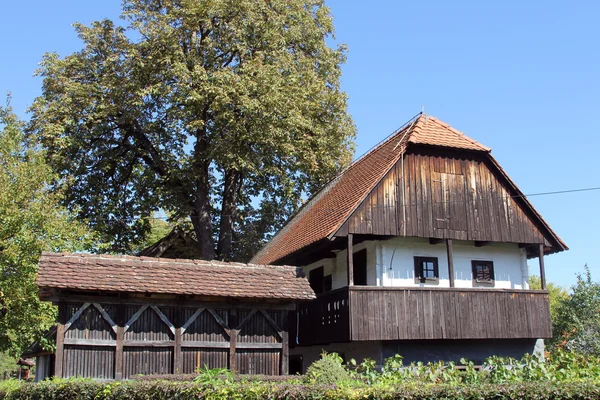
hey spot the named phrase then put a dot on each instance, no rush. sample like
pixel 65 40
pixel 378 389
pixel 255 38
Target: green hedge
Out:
pixel 138 390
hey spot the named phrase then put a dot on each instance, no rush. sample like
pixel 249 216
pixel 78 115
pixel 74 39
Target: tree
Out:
pixel 577 326
pixel 31 221
pixel 224 112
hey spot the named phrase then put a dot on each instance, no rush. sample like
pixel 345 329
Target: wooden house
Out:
pixel 419 248
pixel 120 316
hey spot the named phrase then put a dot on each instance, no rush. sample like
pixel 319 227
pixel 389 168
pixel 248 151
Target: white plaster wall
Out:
pixel 396 262
pixel 329 268
pixel 391 263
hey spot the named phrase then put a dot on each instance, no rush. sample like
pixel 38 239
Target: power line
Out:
pixel 588 189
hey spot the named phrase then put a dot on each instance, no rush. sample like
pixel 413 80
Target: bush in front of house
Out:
pixel 328 370
pixel 159 390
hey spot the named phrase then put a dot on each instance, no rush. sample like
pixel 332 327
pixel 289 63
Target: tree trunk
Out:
pixel 201 217
pixel 228 210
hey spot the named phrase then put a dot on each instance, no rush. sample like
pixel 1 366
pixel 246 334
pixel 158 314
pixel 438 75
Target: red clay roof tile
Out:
pixel 329 208
pixel 89 272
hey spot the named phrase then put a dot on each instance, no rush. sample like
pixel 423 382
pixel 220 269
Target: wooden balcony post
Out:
pixel 350 261
pixel 450 261
pixel 542 270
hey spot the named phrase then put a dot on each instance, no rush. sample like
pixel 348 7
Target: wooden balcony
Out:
pixel 386 313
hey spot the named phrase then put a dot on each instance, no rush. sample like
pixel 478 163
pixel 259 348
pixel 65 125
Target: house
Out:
pixel 119 316
pixel 419 248
pixel 177 244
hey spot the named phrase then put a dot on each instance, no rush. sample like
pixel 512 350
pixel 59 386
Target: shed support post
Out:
pixel 120 340
pixel 542 270
pixel 60 339
pixel 450 261
pixel 285 344
pixel 177 355
pixel 350 263
pixel 233 339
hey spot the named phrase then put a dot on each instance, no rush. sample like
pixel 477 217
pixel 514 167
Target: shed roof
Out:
pixel 325 212
pixel 127 274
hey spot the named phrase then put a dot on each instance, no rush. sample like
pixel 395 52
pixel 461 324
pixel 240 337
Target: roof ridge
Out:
pixel 158 260
pixel 461 134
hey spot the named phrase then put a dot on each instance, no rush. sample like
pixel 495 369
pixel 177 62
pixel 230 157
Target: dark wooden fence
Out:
pixel 386 313
pixel 117 341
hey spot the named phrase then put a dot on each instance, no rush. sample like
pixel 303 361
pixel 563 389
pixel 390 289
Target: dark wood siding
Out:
pixel 398 314
pixel 201 358
pixel 448 196
pixel 147 361
pixel 378 313
pixel 89 362
pixel 324 320
pixel 162 339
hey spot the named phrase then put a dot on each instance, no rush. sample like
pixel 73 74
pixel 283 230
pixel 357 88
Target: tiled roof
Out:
pixel 330 207
pixel 126 274
pixel 431 131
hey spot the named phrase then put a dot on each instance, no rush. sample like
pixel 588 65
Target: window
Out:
pixel 327 283
pixel 426 269
pixel 315 278
pixel 483 273
pixel 359 262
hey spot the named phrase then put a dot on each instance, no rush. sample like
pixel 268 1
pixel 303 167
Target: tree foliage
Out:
pixel 224 112
pixel 31 221
pixel 556 295
pixel 577 325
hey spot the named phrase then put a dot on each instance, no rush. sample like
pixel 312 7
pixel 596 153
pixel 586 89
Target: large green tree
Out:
pixel 32 220
pixel 577 324
pixel 223 112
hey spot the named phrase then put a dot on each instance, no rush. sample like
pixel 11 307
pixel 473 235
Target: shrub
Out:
pixel 159 390
pixel 327 371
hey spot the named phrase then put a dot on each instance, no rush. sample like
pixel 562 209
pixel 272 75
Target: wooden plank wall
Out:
pixel 168 339
pixel 443 313
pixel 324 320
pixel 448 196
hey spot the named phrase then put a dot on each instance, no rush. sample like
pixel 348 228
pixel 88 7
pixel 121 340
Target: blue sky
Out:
pixel 520 77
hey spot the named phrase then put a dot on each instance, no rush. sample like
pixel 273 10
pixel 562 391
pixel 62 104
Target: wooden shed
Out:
pixel 120 316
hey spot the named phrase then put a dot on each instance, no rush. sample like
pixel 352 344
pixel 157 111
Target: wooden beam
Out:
pixel 542 269
pixel 149 343
pixel 120 340
pixel 450 261
pixel 218 303
pixel 106 317
pixel 233 333
pixel 178 355
pixel 191 320
pixel 285 345
pixel 227 345
pixel 350 263
pixel 164 318
pixel 89 342
pixel 435 241
pixel 481 243
pixel 76 315
pixel 272 322
pixel 135 316
pixel 60 337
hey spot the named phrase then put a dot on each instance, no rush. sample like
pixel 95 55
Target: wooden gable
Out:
pixel 448 194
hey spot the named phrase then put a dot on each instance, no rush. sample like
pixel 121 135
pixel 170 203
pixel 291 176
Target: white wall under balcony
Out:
pixel 391 263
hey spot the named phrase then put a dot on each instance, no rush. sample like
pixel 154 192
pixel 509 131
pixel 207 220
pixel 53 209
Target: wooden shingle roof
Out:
pixel 127 274
pixel 323 214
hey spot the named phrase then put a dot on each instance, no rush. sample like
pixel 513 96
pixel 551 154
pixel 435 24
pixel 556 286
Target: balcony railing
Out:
pixel 387 313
